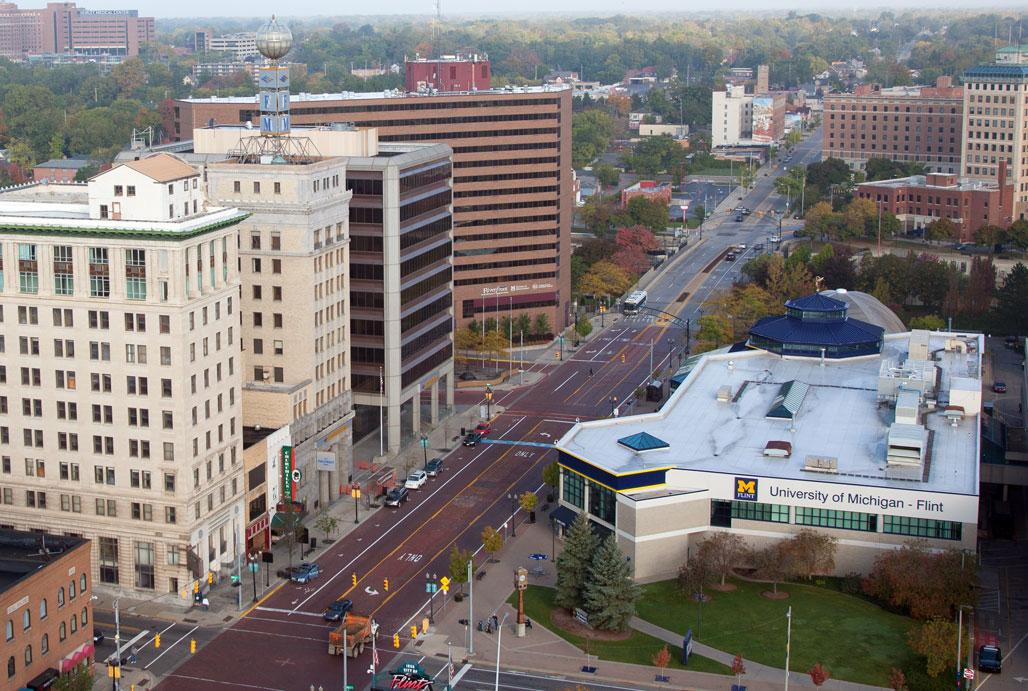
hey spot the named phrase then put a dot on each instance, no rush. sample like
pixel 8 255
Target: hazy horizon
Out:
pixel 459 9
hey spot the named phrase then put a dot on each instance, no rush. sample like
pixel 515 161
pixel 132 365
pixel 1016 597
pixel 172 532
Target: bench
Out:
pixel 537 571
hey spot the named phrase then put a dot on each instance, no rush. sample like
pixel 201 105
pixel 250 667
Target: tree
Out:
pixel 693 576
pixel 738 668
pixel 661 659
pixel 292 527
pixel 327 523
pixel 1011 316
pixel 931 322
pixel 1017 234
pixel 551 476
pixel 492 541
pixel 819 220
pixel 989 235
pixel 651 213
pixel 793 138
pixel 596 214
pixel 722 551
pixel 936 639
pixel 590 135
pixel 728 314
pixel 981 285
pixel 584 328
pixel 819 675
pixel 831 171
pixel 607 175
pixel 897 680
pixel 523 323
pixel 814 552
pixel 774 563
pixel 604 278
pixel 610 594
pixel 541 326
pixel 921 581
pixel 747 175
pixel 940 230
pixel 79 680
pixel 632 245
pixel 459 561
pixel 574 562
pixel 528 501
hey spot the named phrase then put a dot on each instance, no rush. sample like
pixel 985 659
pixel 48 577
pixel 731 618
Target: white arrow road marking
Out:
pixel 369 591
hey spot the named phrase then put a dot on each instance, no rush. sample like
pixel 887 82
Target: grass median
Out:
pixel 639 649
pixel 855 640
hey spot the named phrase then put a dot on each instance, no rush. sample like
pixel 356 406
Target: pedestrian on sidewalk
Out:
pixel 528 623
pixel 496 622
pixel 590 371
pixel 206 603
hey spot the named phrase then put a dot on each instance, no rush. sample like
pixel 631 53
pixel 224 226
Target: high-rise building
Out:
pixel 731 117
pixel 131 436
pixel 512 184
pixel 61 27
pixel 917 124
pixel 241 45
pixel 995 123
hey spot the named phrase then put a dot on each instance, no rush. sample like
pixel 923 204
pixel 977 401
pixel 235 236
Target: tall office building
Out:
pixel 131 436
pixel 995 127
pixel 917 124
pixel 61 27
pixel 512 186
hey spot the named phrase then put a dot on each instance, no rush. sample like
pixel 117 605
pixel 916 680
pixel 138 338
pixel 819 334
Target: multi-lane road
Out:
pixel 281 643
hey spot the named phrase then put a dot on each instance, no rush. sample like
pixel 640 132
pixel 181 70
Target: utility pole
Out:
pixel 651 358
pixel 345 685
pixel 471 609
pixel 788 640
pixel 116 686
pixel 521 369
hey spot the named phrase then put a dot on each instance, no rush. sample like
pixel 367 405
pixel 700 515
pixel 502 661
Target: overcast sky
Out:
pixel 455 8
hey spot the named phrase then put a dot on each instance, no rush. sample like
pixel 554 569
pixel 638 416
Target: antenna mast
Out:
pixel 438 20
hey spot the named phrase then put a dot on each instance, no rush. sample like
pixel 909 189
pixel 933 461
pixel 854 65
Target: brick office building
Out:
pixel 905 124
pixel 61 27
pixel 512 186
pixel 919 199
pixel 45 591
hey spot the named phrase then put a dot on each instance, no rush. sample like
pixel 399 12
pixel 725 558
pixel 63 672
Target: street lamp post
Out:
pixel 424 448
pixel 613 404
pixel 513 497
pixel 430 588
pixel 499 640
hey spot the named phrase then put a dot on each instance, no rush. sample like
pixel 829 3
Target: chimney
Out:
pixel 943 82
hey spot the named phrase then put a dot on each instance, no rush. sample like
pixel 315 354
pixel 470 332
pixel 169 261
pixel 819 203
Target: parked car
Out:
pixel 416 480
pixel 739 218
pixel 434 467
pixel 396 496
pixel 484 428
pixel 990 659
pixel 98 636
pixel 472 439
pixel 337 609
pixel 999 387
pixel 305 573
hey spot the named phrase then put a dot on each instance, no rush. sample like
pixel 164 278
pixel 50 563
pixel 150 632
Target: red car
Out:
pixel 483 428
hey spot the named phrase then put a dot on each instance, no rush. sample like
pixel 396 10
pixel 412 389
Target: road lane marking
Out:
pixel 263 598
pixel 511 428
pixel 565 382
pixel 224 683
pixel 170 647
pixel 288 611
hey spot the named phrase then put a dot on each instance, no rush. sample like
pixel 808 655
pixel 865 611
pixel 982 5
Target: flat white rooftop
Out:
pixel 296 99
pixel 840 417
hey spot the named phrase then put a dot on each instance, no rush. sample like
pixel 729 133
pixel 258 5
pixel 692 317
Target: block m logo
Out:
pixel 746 488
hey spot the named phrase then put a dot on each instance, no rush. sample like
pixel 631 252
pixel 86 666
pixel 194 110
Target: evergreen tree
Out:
pixel 574 563
pixel 1010 299
pixel 610 594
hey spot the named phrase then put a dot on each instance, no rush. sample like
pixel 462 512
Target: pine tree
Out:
pixel 610 594
pixel 574 562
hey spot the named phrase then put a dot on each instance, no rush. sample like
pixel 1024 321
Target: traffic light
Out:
pixel 622 357
pixel 396 640
pixel 558 355
pixel 114 671
pixel 157 641
pixel 353 577
pixel 210 578
pixel 196 587
pixel 192 645
pixel 385 584
pixel 413 631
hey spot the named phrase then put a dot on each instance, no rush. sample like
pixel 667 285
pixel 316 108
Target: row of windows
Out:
pixel 440 278
pixel 503 236
pixel 503 163
pixel 430 362
pixel 468 208
pixel 425 313
pixel 419 233
pixel 408 105
pixel 468 134
pixel 896 109
pixel 469 310
pixel 503 192
pixel 500 265
pixel 410 181
pixel 504 279
pixel 441 330
pixel 440 200
pixel 507 176
pixel 723 511
pixel 489 148
pixel 501 220
pixel 506 249
pixel 44 641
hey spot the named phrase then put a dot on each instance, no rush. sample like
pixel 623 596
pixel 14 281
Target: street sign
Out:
pixel 968 673
pixel 444 581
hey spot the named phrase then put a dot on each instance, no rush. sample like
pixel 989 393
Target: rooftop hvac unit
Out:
pixel 724 393
pixel 908 404
pixel 778 449
pixel 908 445
pixel 821 464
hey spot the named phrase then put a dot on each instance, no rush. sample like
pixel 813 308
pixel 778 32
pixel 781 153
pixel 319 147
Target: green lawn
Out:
pixel 853 639
pixel 637 650
pixel 708 172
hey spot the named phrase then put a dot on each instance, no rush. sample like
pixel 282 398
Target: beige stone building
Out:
pixel 131 436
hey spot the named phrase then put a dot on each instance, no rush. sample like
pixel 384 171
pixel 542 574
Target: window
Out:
pixel 28 269
pixel 828 518
pixel 145 565
pixel 10 666
pixel 26 620
pixel 28 655
pixel 99 274
pixel 9 631
pixel 757 511
pixel 44 644
pixel 62 632
pixel 573 488
pixel 42 609
pixel 922 527
pixel 108 560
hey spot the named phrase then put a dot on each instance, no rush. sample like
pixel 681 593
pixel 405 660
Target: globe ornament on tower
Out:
pixel 274 40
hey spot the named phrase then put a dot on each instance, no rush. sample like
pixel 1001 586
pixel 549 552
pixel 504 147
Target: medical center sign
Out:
pixel 862 498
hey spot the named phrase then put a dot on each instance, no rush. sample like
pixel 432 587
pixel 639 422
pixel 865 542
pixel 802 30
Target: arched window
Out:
pixel 42 609
pixel 44 644
pixel 28 655
pixel 26 619
pixel 74 623
pixel 85 616
pixel 71 589
pixel 82 584
pixel 10 666
pixel 60 597
pixel 62 631
pixel 9 631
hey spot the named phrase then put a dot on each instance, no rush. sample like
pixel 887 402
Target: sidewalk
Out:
pixel 542 651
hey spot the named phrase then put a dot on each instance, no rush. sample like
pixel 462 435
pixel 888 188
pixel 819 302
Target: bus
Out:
pixel 634 302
